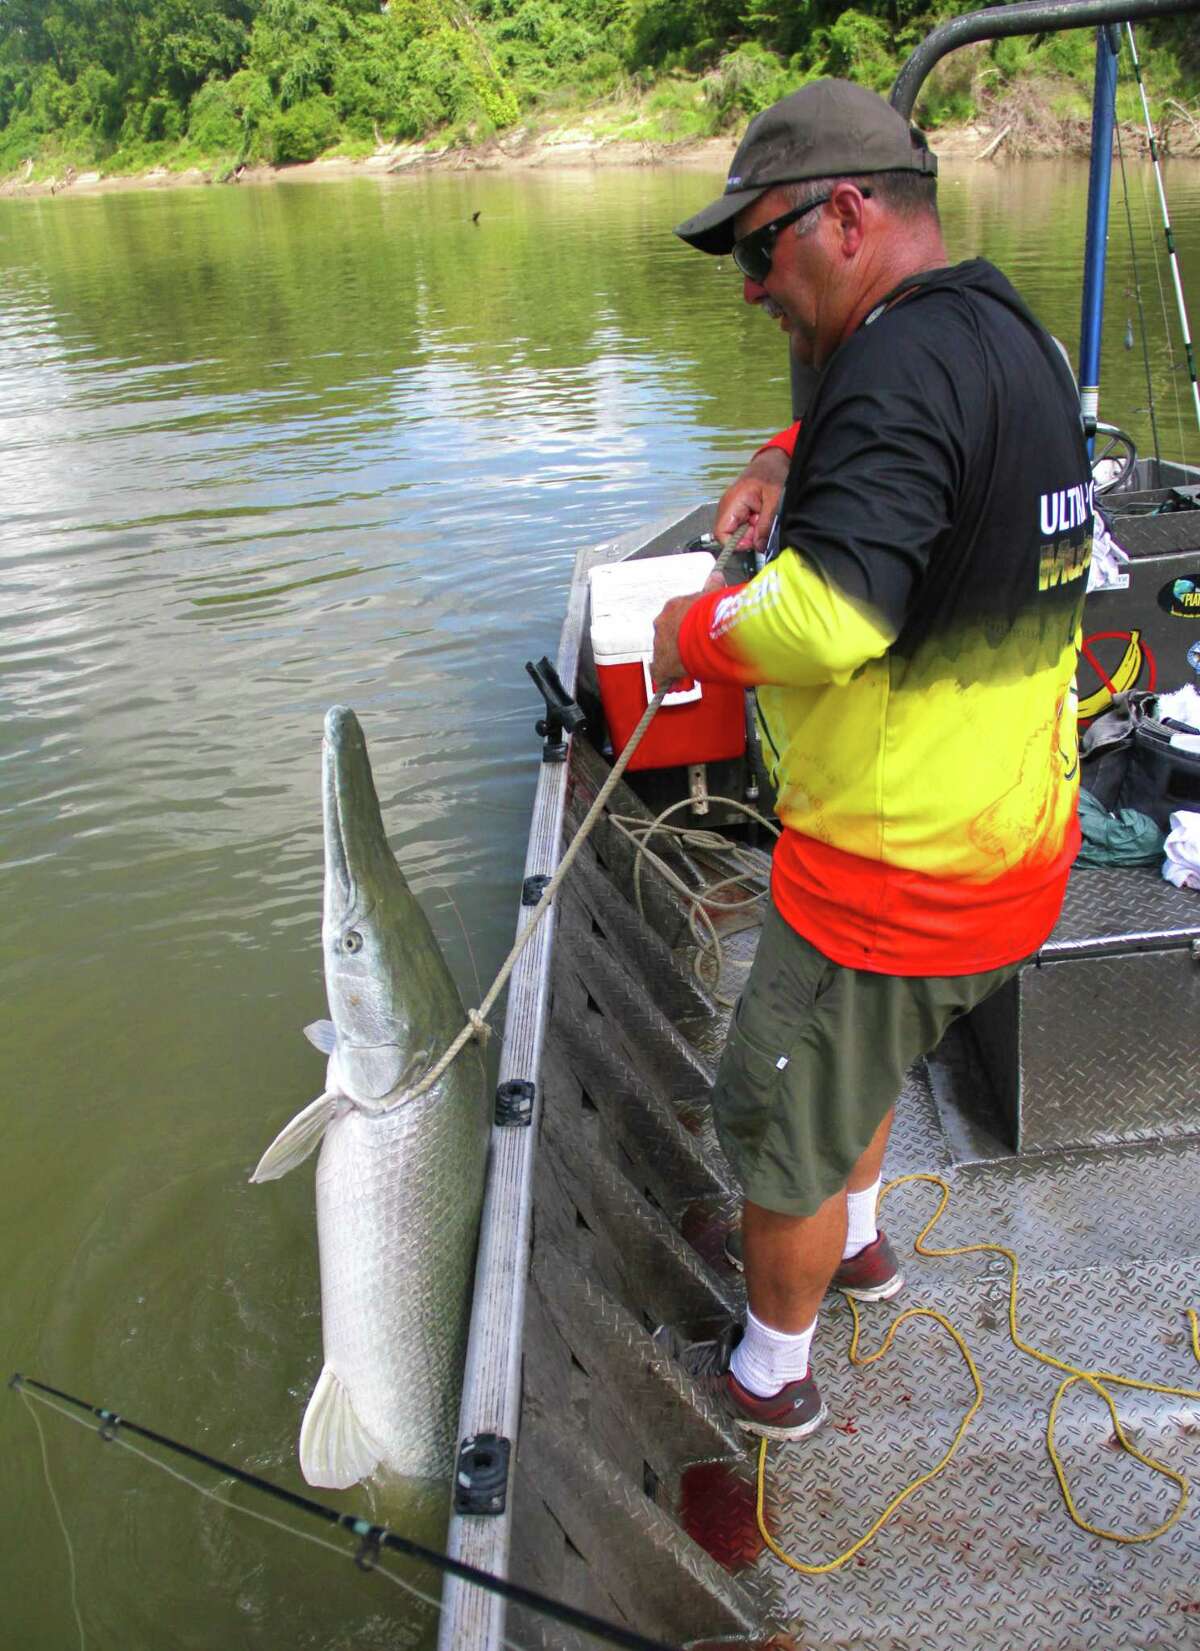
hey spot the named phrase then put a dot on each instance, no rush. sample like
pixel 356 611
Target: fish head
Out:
pixel 391 996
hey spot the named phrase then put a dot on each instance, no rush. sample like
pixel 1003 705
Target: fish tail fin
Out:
pixel 335 1449
pixel 297 1139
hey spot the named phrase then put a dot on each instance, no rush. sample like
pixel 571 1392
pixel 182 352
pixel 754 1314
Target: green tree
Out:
pixel 179 44
pixel 148 79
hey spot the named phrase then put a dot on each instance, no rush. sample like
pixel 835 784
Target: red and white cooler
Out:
pixel 697 721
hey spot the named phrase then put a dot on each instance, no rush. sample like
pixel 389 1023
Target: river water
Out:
pixel 263 450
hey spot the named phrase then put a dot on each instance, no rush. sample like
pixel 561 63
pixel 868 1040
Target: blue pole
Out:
pixel 1104 104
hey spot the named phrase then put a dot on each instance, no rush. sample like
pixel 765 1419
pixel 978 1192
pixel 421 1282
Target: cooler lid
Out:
pixel 627 597
pixel 1125 909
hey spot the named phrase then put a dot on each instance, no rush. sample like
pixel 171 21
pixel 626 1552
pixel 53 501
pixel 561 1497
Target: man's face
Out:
pixel 801 289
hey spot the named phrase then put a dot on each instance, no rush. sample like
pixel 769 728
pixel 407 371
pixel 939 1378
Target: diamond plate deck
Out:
pixel 986 1556
pixel 1134 909
pixel 1174 534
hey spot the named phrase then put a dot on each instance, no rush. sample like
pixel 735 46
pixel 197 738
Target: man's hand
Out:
pixel 752 500
pixel 666 666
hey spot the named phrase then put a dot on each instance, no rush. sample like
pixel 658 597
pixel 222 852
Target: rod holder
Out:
pixel 563 715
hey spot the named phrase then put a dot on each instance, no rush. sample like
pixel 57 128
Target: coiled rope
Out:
pixel 1098 1380
pixel 639 832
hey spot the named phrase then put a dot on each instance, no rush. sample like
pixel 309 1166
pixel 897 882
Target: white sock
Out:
pixel 765 1359
pixel 860 1219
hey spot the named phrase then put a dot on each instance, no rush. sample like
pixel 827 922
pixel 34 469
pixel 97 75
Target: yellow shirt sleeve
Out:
pixel 788 626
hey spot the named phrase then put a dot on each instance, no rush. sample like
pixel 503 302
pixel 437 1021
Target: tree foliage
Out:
pixel 130 81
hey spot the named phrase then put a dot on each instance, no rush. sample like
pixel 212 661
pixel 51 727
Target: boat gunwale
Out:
pixel 491 1395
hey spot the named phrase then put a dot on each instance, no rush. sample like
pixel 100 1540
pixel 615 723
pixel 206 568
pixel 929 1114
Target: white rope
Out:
pixel 639 832
pixel 479 1027
pixel 564 865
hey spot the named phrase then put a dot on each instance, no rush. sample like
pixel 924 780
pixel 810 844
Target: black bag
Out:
pixel 1127 761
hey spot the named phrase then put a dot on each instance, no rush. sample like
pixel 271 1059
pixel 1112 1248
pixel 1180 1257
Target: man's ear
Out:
pixel 849 206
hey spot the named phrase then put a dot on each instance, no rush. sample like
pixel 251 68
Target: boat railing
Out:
pixel 1025 17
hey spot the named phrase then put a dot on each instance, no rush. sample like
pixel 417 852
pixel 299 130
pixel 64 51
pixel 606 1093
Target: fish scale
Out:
pixel 390 1189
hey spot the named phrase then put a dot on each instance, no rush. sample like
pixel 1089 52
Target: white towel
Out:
pixel 1182 850
pixel 1181 705
pixel 1106 570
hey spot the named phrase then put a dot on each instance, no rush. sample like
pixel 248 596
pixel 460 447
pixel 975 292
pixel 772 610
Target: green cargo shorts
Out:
pixel 816 1055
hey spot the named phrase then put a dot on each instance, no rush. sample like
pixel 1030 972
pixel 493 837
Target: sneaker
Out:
pixel 871 1275
pixel 793 1413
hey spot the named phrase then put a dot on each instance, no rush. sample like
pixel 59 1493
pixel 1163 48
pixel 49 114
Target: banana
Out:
pixel 1128 670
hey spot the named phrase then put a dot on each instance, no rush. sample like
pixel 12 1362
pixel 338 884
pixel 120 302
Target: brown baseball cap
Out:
pixel 828 129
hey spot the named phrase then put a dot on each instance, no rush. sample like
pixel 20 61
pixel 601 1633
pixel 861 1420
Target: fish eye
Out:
pixel 353 941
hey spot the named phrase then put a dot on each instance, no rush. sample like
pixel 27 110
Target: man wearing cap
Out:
pixel 913 647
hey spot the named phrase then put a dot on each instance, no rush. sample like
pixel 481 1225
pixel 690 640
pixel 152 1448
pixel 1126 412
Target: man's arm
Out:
pixel 667 663
pixel 789 625
pixel 751 501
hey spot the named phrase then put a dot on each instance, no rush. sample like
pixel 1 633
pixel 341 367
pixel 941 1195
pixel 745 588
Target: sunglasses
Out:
pixel 754 252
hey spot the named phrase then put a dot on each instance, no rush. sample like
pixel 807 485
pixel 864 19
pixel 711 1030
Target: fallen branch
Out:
pixel 1170 103
pixel 995 143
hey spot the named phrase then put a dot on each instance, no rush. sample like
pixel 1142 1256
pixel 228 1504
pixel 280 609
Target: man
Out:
pixel 913 646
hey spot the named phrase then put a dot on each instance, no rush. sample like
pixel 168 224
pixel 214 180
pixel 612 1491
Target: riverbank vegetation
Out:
pixel 124 86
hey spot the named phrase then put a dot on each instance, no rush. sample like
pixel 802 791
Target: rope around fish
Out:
pixel 476 1026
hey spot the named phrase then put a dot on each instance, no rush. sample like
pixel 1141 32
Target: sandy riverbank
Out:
pixel 1015 137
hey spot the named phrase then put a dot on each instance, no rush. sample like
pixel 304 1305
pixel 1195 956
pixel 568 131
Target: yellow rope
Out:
pixel 1094 1379
pixel 909 1490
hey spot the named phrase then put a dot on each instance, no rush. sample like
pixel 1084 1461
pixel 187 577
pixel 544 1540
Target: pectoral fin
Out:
pixel 335 1449
pixel 297 1139
pixel 322 1035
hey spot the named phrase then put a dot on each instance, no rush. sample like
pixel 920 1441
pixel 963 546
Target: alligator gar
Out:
pixel 399 1180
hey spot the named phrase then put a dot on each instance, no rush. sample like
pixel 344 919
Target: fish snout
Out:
pixel 342 726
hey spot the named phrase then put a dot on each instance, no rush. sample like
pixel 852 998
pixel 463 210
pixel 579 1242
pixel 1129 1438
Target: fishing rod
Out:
pixel 1172 255
pixel 1141 308
pixel 372 1537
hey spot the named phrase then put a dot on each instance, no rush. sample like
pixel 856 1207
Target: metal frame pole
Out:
pixel 1104 106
